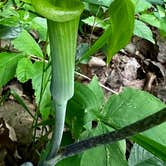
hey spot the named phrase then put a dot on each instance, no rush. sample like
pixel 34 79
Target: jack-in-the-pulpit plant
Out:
pixel 62 20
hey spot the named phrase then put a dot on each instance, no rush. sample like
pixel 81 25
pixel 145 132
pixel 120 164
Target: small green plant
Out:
pixel 82 105
pixel 148 13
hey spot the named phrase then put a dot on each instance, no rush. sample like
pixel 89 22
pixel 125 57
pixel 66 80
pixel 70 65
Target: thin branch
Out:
pixel 103 86
pixel 111 137
pixel 41 91
pixel 93 26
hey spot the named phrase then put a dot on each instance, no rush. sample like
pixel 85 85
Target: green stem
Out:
pixel 63 19
pixel 58 128
pixel 63 45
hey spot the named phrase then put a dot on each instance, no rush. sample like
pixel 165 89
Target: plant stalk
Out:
pixel 58 128
pixel 63 45
pixel 62 21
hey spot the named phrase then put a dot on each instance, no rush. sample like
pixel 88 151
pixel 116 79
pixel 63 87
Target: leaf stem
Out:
pixel 58 128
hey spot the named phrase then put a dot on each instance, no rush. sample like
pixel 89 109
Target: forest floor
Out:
pixel 139 65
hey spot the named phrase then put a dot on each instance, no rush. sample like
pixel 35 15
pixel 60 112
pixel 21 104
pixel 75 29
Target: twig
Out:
pixel 93 26
pixel 103 86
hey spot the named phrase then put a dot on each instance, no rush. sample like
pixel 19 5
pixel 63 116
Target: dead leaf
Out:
pixel 130 48
pixel 138 84
pixel 130 68
pixel 162 51
pixel 96 62
pixel 160 92
pixel 5 141
pixel 15 116
pixel 12 134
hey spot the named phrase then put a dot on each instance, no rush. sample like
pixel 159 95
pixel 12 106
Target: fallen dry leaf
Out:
pixel 162 51
pixel 96 62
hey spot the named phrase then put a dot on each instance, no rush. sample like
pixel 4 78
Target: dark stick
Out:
pixel 111 137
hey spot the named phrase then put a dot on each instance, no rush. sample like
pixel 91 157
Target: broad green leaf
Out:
pixel 75 118
pixel 45 104
pixel 7 32
pixel 152 146
pixel 143 31
pixel 161 11
pixel 81 49
pixel 71 161
pixel 150 19
pixel 45 97
pixel 95 22
pixel 100 2
pixel 97 45
pixel 85 97
pixel 104 155
pixel 97 90
pixel 8 64
pixel 24 70
pixel 159 2
pixel 84 106
pixel 141 5
pixel 95 8
pixel 141 157
pixel 9 18
pixel 27 1
pixel 25 43
pixel 122 26
pixel 163 26
pixel 119 33
pixel 40 25
pixel 132 105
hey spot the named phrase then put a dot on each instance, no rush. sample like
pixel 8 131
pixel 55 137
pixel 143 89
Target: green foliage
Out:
pixel 24 70
pixel 120 110
pixel 163 26
pixel 109 154
pixel 88 113
pixel 96 22
pixel 132 105
pixel 97 90
pixel 40 25
pixel 25 43
pixel 152 146
pixel 96 46
pixel 100 2
pixel 156 2
pixel 8 64
pixel 41 85
pixel 114 36
pixel 84 110
pixel 143 31
pixel 141 157
pixel 154 17
pixel 144 12
pixel 141 6
pixel 7 32
pixel 75 160
pixel 86 106
pixel 123 11
pixel 150 19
